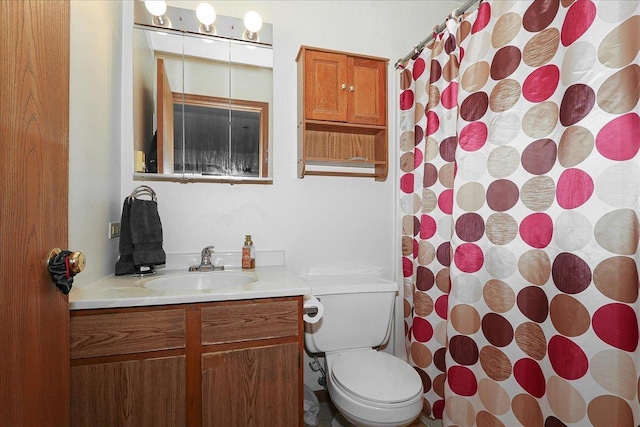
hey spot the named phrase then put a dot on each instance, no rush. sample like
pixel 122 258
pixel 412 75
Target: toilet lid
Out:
pixel 376 376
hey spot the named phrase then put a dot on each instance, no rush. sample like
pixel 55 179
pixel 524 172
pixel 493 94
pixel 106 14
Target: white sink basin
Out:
pixel 198 281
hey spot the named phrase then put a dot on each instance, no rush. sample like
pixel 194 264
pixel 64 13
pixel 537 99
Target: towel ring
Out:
pixel 143 190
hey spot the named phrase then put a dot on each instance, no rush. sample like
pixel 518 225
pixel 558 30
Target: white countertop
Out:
pixel 128 291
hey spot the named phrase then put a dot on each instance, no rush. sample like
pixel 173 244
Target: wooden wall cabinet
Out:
pixel 342 114
pixel 211 364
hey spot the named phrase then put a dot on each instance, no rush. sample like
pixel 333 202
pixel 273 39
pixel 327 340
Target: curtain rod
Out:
pixel 418 47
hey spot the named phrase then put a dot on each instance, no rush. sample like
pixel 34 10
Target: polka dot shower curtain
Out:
pixel 428 141
pixel 520 227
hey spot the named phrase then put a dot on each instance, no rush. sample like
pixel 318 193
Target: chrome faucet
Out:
pixel 205 262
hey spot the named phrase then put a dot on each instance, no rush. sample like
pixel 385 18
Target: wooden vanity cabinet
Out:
pixel 342 114
pixel 212 364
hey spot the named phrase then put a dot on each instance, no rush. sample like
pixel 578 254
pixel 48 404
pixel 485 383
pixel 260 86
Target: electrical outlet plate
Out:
pixel 114 230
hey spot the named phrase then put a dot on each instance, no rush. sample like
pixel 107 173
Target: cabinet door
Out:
pixel 367 91
pixel 134 393
pixel 251 387
pixel 325 86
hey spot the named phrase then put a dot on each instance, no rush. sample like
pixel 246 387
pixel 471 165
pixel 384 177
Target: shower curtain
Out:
pixel 520 190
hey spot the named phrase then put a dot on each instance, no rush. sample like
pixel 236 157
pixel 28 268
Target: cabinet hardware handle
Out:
pixel 352 88
pixel 343 86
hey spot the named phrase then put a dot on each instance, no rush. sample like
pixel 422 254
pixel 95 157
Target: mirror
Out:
pixel 202 107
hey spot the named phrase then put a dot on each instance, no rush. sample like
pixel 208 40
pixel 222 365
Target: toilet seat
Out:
pixel 376 377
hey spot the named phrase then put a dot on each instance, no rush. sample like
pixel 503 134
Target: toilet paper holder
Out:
pixel 311 311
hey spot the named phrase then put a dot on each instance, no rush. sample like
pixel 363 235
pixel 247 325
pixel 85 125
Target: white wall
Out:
pixel 94 133
pixel 318 221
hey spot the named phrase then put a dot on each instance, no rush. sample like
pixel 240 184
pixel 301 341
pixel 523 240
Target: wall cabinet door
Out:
pixel 325 86
pixel 366 91
pixel 132 393
pixel 251 387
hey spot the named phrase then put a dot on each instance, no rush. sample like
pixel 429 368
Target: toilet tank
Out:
pixel 357 313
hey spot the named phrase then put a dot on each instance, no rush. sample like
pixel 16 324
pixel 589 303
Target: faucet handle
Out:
pixel 206 255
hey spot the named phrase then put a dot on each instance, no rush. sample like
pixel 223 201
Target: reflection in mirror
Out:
pixel 210 146
pixel 202 108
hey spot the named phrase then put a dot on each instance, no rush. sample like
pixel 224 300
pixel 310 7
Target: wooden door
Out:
pixel 252 387
pixel 164 113
pixel 34 123
pixel 325 86
pixel 367 91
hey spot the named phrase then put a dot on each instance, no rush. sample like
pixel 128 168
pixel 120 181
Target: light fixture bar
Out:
pixel 185 21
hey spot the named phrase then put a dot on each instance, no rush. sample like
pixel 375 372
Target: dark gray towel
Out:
pixel 146 233
pixel 140 237
pixel 124 265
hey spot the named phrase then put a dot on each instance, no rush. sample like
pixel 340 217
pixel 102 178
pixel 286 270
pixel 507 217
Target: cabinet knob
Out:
pixel 343 86
pixel 352 88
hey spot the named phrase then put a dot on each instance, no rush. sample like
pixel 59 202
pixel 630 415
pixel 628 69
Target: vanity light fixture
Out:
pixel 207 16
pixel 157 8
pixel 158 15
pixel 253 24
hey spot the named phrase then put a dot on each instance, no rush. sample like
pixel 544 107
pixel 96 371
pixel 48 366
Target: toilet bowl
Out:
pixel 374 389
pixel 370 388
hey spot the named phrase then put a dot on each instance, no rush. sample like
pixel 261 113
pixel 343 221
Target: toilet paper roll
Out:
pixel 313 310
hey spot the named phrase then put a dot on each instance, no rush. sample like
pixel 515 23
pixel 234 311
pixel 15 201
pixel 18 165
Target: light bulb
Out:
pixel 252 21
pixel 206 14
pixel 156 7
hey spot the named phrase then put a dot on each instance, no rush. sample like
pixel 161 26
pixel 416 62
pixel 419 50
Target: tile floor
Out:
pixel 328 412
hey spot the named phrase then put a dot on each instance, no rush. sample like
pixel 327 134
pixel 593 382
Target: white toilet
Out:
pixel 370 388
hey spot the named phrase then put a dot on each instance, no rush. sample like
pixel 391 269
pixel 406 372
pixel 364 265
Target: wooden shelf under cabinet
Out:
pixel 342 114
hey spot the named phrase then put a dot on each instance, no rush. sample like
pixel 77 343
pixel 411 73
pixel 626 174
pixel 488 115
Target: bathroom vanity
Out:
pixel 220 357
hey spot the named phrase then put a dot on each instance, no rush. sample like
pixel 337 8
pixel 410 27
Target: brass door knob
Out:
pixel 77 260
pixel 63 266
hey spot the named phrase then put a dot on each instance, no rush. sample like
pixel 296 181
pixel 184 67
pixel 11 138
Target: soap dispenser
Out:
pixel 248 253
